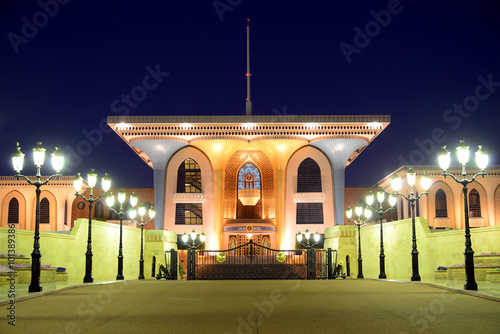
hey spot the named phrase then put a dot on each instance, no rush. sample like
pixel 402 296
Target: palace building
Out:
pixel 240 177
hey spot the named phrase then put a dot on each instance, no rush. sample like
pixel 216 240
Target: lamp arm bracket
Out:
pixel 420 195
pixel 98 197
pixel 26 178
pixel 399 194
pixel 84 198
pixel 50 177
pixel 452 176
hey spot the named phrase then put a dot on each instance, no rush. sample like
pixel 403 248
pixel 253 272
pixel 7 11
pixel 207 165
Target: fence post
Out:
pixel 330 264
pixel 173 260
pixel 190 266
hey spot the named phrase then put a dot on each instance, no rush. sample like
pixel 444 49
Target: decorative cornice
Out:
pixel 309 197
pixel 189 197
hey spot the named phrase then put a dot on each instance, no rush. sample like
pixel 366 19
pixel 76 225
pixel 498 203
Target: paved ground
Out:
pixel 340 306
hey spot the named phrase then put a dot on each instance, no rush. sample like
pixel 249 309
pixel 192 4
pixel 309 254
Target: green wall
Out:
pixel 443 248
pixel 68 250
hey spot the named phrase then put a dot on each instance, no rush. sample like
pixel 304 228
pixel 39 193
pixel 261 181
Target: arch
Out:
pixel 477 200
pixel 203 199
pixel 21 209
pixel 99 210
pixel 49 222
pixel 441 208
pixel 13 215
pixel 474 202
pixel 189 177
pixel 262 162
pixel 325 198
pixel 445 193
pixel 309 176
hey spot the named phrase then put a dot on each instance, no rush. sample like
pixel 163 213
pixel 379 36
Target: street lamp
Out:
pixel 193 235
pixel 110 200
pixel 307 237
pixel 381 212
pixel 359 211
pixel 142 212
pixel 78 183
pixel 481 162
pixel 426 184
pixel 57 164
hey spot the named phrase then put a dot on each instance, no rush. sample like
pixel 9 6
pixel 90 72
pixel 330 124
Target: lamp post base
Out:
pixel 88 279
pixel 415 279
pixel 119 277
pixel 382 276
pixel 470 286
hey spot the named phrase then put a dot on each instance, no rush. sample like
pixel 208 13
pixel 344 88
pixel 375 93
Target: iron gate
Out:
pixel 170 272
pixel 254 261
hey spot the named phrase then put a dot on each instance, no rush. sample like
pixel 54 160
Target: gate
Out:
pixel 170 265
pixel 254 261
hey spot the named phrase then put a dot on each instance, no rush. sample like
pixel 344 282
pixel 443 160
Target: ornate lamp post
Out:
pixel 381 212
pixel 359 211
pixel 142 212
pixel 307 237
pixel 193 235
pixel 426 184
pixel 57 164
pixel 110 200
pixel 92 180
pixel 482 163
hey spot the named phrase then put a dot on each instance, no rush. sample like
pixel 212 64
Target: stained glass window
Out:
pixel 249 177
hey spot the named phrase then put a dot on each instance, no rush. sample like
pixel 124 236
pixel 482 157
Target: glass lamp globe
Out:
pixel 110 199
pixel 396 182
pixel 411 177
pixel 348 212
pixel 18 159
pixel 316 236
pixel 368 213
pixel 57 160
pixel 392 199
pixel 185 237
pixel 481 158
pixel 202 237
pixel 92 178
pixel 121 196
pixel 133 200
pixel 299 236
pixel 444 158
pixel 78 182
pixel 142 210
pixel 425 181
pixel 380 196
pixel 359 210
pixel 38 154
pixel 463 153
pixel 369 198
pixel 308 234
pixel 193 235
pixel 152 212
pixel 132 214
pixel 106 182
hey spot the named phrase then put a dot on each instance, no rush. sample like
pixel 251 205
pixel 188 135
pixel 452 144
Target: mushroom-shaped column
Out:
pixel 338 151
pixel 159 152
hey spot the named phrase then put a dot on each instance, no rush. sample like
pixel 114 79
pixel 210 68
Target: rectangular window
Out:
pixel 309 213
pixel 188 214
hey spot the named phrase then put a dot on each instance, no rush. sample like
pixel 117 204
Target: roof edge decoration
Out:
pixel 191 129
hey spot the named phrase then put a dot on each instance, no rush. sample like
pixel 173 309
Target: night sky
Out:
pixel 433 67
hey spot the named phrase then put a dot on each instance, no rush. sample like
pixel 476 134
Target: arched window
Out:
pixel 44 211
pixel 474 204
pixel 99 210
pixel 309 177
pixel 13 217
pixel 441 207
pixel 249 177
pixel 189 177
pixel 66 212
